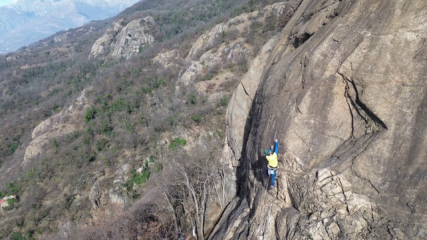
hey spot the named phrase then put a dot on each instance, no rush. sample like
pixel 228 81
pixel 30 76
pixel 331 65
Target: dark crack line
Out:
pixel 364 179
pixel 352 164
pixel 347 96
pixel 242 107
pixel 308 148
pixel 364 112
pixel 345 196
pixel 303 66
pixel 244 89
pixel 419 51
pixel 367 112
pixel 332 136
pixel 389 231
pixel 361 144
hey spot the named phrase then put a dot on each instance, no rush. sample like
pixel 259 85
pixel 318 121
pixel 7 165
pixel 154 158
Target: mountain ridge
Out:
pixel 24 22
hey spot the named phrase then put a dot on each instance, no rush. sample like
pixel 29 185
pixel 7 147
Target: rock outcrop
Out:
pixel 344 87
pixel 124 41
pixel 60 124
pixel 226 44
pixel 237 27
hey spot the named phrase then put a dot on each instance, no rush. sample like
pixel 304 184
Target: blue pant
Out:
pixel 272 175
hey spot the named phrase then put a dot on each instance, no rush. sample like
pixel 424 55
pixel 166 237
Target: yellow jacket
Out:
pixel 272 161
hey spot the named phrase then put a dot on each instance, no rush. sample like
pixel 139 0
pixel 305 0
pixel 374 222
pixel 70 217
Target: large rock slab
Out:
pixel 345 89
pixel 241 101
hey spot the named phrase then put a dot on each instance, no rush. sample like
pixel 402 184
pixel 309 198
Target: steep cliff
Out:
pixel 344 87
pixel 132 116
pixel 131 141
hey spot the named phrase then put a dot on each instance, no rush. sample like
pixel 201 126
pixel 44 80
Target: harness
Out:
pixel 271 170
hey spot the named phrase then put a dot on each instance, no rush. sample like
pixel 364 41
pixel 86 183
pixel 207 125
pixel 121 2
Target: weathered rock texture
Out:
pixel 211 52
pixel 60 124
pixel 345 89
pixel 124 41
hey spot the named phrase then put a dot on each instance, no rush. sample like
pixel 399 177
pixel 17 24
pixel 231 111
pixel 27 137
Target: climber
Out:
pixel 272 162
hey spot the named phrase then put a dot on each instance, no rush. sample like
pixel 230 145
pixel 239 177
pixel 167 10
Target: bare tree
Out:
pixel 197 182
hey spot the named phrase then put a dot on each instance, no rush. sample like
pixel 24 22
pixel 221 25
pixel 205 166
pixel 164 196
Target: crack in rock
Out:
pixel 244 89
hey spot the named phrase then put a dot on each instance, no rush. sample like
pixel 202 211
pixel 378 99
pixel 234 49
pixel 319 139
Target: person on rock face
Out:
pixel 272 162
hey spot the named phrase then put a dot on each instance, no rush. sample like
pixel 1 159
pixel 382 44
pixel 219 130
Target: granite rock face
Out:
pixel 345 89
pixel 124 40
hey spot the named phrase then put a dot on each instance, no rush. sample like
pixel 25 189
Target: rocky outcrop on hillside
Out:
pixel 227 44
pixel 124 41
pixel 237 27
pixel 63 123
pixel 344 87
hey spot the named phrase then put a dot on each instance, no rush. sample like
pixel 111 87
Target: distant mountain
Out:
pixel 27 21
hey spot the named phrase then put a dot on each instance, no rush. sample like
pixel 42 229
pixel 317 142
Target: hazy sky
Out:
pixel 5 2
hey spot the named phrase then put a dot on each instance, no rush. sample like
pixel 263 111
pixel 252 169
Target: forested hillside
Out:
pixel 127 142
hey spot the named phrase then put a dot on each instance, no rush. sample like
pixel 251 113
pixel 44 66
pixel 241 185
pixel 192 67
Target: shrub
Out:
pixel 89 130
pixel 220 134
pixel 11 203
pixel 90 114
pixel 12 188
pixel 106 129
pixel 28 174
pixel 192 98
pixel 129 126
pixel 208 77
pixel 158 167
pixel 141 178
pixel 17 236
pixel 100 144
pixel 224 101
pixel 177 142
pixel 90 158
pixel 121 105
pixel 196 118
pixel 143 120
pixel 159 83
pixel 30 234
pixel 13 147
pixel 137 178
pixel 107 162
pixel 55 143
